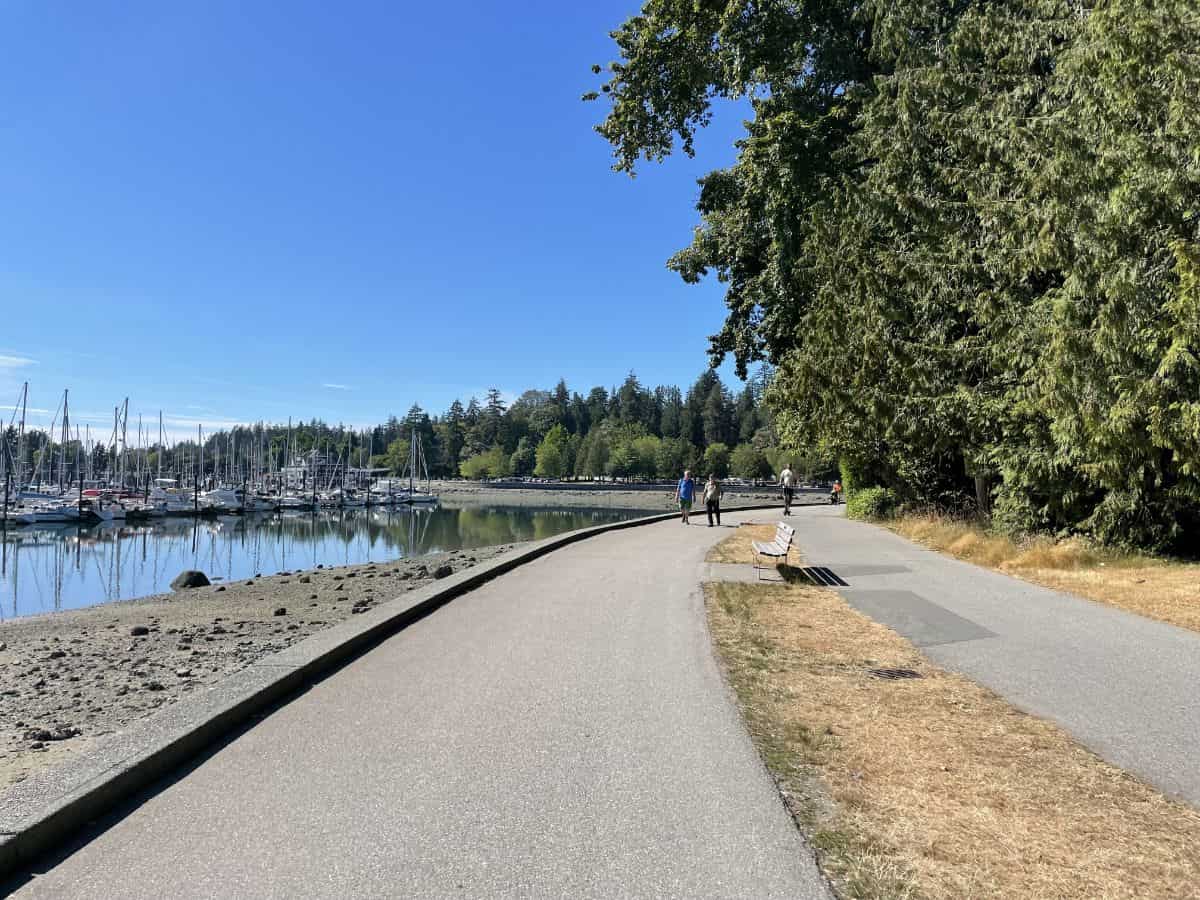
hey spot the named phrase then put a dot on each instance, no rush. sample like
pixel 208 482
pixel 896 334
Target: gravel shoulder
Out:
pixel 69 678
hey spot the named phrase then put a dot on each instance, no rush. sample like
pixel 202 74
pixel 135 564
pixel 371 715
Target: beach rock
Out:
pixel 281 611
pixel 191 578
pixel 183 673
pixel 139 631
pixel 58 654
pixel 305 579
pixel 443 571
pixel 60 733
pixel 154 686
pixel 219 589
pixel 3 646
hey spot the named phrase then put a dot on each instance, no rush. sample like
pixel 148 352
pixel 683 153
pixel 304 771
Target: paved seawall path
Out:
pixel 562 731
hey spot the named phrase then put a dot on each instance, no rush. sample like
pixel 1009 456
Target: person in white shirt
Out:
pixel 787 480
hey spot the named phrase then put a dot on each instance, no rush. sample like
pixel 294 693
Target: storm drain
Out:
pixel 894 674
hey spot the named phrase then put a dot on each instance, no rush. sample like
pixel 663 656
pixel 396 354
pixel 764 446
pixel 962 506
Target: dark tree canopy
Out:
pixel 966 233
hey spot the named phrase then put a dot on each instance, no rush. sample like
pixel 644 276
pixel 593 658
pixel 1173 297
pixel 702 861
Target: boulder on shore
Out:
pixel 190 579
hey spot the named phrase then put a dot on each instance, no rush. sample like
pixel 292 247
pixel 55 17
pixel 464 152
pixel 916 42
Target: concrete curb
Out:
pixel 41 812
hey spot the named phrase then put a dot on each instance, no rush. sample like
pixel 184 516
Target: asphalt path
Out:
pixel 1123 685
pixel 563 731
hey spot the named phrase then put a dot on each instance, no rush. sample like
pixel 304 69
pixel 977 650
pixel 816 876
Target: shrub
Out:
pixel 871 503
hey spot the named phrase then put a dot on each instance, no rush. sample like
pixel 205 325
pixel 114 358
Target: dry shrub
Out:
pixel 1160 589
pixel 941 789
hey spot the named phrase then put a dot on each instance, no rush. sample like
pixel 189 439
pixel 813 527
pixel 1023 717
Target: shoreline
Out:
pixel 68 678
pixel 656 498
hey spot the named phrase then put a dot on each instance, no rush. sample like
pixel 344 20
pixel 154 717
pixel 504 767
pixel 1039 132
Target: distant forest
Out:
pixel 626 432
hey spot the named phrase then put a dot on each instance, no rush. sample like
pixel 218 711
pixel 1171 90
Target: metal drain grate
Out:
pixel 895 674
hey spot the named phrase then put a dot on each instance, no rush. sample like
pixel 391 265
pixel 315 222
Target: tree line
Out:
pixel 626 432
pixel 630 431
pixel 967 234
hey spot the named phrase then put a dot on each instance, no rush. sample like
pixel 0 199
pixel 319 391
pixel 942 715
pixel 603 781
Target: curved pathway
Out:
pixel 562 731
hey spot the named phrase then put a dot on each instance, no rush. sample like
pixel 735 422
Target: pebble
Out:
pixel 139 630
pixel 281 611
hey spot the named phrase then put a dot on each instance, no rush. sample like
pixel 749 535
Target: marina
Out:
pixel 80 480
pixel 50 567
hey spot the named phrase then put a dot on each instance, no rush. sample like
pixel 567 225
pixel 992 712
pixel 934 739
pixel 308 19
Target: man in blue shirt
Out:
pixel 685 492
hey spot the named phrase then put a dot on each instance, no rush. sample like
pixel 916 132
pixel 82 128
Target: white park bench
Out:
pixel 780 548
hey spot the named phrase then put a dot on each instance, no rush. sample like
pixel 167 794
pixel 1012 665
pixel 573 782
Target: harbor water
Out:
pixel 47 568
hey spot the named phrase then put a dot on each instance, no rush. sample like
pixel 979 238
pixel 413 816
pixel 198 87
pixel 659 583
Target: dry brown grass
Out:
pixel 1159 589
pixel 739 546
pixel 939 788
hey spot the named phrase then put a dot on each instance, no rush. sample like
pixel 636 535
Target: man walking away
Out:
pixel 712 499
pixel 685 492
pixel 787 481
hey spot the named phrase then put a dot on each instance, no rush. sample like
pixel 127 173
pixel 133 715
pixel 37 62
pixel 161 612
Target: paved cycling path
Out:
pixel 562 731
pixel 1123 685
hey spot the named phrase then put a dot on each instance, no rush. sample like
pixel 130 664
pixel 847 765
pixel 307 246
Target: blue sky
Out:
pixel 235 211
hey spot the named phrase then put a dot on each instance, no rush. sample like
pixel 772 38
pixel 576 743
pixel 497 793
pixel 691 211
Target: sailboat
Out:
pixel 416 465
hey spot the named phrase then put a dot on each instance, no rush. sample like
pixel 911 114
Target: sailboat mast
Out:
pixel 62 450
pixel 124 435
pixel 21 435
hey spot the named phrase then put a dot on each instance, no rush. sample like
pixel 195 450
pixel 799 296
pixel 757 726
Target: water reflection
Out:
pixel 46 568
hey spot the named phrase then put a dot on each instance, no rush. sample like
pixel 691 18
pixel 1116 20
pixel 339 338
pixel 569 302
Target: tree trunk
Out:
pixel 981 496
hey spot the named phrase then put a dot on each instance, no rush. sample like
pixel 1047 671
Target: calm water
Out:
pixel 45 569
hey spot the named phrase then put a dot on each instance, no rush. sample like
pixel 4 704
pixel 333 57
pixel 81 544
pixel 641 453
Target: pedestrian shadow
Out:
pixel 821 576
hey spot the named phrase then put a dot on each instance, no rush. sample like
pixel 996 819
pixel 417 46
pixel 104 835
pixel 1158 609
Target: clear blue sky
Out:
pixel 234 211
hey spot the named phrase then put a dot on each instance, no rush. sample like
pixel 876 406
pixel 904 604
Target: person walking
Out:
pixel 712 499
pixel 787 481
pixel 685 492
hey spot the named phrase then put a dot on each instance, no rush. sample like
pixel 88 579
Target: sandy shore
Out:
pixel 69 678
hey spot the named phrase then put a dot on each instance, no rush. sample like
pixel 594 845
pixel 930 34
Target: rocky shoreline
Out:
pixel 69 678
